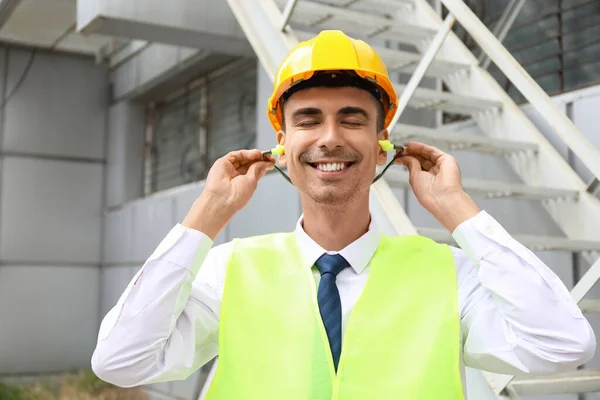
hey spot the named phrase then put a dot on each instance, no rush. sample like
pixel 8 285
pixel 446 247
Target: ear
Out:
pixel 281 141
pixel 382 155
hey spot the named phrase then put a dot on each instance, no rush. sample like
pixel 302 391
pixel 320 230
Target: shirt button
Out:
pixel 489 230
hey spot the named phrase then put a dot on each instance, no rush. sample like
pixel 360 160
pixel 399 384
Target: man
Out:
pixel 336 309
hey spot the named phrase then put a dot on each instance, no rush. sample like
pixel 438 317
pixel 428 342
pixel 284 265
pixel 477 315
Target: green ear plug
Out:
pixel 386 145
pixel 278 150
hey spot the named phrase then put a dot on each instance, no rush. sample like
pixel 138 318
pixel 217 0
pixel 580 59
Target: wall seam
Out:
pixel 2 127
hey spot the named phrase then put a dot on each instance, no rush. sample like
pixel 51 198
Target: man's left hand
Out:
pixel 436 181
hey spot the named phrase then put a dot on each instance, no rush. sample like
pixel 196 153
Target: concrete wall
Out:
pixel 52 151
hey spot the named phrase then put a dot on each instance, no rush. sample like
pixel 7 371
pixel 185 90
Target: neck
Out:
pixel 335 227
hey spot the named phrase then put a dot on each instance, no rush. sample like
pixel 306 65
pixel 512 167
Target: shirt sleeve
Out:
pixel 516 315
pixel 164 327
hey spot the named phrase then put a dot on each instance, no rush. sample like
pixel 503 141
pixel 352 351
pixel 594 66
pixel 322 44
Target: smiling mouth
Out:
pixel 331 167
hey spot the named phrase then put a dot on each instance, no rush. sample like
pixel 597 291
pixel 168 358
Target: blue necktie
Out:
pixel 330 305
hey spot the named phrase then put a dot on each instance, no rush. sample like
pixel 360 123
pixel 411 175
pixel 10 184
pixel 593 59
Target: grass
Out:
pixel 81 385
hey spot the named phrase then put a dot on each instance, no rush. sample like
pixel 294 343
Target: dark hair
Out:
pixel 338 80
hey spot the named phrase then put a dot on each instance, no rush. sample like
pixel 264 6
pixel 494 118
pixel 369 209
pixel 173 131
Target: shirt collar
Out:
pixel 358 253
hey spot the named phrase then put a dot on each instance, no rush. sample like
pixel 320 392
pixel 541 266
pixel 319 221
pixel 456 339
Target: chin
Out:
pixel 331 195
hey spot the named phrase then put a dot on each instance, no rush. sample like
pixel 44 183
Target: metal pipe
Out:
pixel 424 64
pixel 287 13
pixel 502 27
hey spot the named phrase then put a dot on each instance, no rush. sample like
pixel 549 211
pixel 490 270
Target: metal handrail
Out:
pixel 587 153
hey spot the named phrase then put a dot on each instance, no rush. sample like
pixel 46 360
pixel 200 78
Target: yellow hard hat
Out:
pixel 331 50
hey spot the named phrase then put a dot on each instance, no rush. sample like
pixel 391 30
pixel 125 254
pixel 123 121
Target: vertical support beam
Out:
pixel 424 64
pixel 501 29
pixel 287 13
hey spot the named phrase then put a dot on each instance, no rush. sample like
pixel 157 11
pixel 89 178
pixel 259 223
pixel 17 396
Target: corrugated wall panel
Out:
pixel 232 110
pixel 210 117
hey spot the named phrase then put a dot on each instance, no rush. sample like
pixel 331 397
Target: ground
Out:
pixel 82 385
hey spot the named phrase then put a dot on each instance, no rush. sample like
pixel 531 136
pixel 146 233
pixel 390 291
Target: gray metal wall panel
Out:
pixel 585 116
pixel 232 110
pixel 187 388
pixel 60 108
pixel 184 199
pixel 152 220
pixel 273 208
pixel 125 158
pixel 50 211
pixel 546 129
pixel 113 280
pixel 162 58
pixel 49 318
pixel 118 238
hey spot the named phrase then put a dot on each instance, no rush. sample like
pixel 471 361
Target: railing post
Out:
pixel 287 13
pixel 502 27
pixel 424 64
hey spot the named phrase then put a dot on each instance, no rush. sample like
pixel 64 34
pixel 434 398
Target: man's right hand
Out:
pixel 230 184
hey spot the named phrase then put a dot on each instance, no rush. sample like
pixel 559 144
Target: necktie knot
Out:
pixel 331 263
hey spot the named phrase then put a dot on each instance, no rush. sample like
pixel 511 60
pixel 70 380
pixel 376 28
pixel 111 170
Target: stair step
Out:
pixel 449 141
pixel 385 6
pixel 581 381
pixel 450 102
pixel 319 16
pixel 533 242
pixel 492 189
pixel 404 61
pixel 590 305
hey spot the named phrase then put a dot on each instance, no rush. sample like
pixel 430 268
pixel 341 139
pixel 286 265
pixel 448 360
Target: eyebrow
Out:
pixel 354 110
pixel 306 111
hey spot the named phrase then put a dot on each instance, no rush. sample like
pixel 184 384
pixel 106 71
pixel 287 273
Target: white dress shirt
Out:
pixel 516 315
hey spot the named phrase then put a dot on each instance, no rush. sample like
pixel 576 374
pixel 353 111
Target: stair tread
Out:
pixel 456 140
pixel 493 188
pixel 533 242
pixel 580 381
pixel 404 61
pixel 450 102
pixel 384 5
pixel 316 15
pixel 590 305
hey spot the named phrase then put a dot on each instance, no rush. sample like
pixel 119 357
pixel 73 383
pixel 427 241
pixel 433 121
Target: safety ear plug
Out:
pixel 386 145
pixel 278 150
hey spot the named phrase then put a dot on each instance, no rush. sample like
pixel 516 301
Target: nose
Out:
pixel 331 136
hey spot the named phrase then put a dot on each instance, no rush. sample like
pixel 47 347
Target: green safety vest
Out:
pixel 402 339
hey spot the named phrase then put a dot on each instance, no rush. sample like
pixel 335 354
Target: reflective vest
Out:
pixel 402 339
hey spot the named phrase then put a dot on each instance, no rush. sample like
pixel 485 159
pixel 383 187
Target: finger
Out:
pixel 243 169
pixel 426 164
pixel 241 157
pixel 423 150
pixel 411 163
pixel 258 170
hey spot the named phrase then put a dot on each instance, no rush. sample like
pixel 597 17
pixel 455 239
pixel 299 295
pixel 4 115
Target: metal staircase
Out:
pixel 274 26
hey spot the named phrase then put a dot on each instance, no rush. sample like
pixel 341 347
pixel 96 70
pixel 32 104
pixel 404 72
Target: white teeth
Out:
pixel 331 167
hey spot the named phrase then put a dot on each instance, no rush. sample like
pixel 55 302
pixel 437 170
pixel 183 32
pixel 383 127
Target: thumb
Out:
pixel 411 163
